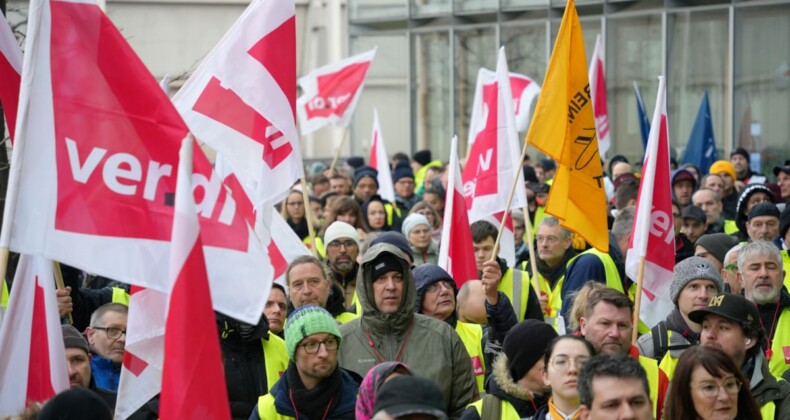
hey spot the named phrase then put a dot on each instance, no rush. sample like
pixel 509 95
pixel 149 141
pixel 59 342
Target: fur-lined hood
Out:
pixel 501 375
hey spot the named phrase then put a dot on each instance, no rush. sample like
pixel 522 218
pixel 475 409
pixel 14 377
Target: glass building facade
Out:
pixel 423 79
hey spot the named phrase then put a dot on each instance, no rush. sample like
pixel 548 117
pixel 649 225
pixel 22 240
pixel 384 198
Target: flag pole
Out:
pixel 60 284
pixel 531 248
pixel 338 149
pixel 638 299
pixel 308 214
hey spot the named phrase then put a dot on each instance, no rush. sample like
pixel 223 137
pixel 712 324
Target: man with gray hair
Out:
pixel 599 266
pixel 729 270
pixel 761 274
pixel 710 203
pixel 555 249
pixel 309 284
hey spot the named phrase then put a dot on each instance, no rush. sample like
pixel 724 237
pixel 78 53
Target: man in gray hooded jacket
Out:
pixel 389 330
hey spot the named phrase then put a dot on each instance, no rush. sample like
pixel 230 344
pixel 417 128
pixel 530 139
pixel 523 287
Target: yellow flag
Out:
pixel 563 127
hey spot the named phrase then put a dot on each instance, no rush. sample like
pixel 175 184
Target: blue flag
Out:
pixel 644 123
pixel 701 147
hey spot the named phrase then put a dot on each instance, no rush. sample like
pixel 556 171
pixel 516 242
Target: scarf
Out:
pixel 553 274
pixel 370 386
pixel 316 403
pixel 675 322
pixel 556 414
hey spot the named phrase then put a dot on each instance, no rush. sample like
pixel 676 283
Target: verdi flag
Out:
pixel 701 147
pixel 379 160
pixel 10 75
pixel 598 92
pixel 644 123
pixel 563 127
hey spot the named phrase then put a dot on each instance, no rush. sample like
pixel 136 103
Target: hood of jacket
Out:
pixel 426 276
pixel 399 321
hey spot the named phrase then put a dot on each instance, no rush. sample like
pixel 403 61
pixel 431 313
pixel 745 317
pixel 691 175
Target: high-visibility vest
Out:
pixel 345 317
pixel 786 266
pixel 319 246
pixel 275 355
pixel 610 269
pixel 419 176
pixel 730 228
pixel 506 410
pixel 515 284
pixel 472 337
pixel 119 295
pixel 4 295
pixel 768 411
pixel 266 409
pixel 668 363
pixel 778 363
pixel 391 211
pixel 540 213
pixel 651 369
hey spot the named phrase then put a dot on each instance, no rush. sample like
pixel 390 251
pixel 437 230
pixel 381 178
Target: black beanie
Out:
pixel 764 209
pixel 525 344
pixel 364 171
pixel 740 151
pixel 355 162
pixel 423 157
pixel 385 263
pixel 76 403
pixel 394 238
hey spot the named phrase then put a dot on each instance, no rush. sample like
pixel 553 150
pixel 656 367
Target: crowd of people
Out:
pixel 373 328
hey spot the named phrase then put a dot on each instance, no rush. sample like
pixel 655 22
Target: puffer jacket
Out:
pixel 428 346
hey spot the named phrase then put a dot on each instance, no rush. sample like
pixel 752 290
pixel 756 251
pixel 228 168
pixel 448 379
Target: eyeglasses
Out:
pixel 330 344
pixel 337 244
pixel 733 266
pixel 112 332
pixel 711 389
pixel 562 363
pixel 548 239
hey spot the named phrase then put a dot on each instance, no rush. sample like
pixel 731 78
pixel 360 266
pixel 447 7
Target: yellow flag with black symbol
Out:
pixel 563 127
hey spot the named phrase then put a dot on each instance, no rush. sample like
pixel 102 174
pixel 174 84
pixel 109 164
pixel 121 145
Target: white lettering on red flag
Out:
pixel 10 75
pixel 653 235
pixel 242 99
pixel 331 92
pixel 93 174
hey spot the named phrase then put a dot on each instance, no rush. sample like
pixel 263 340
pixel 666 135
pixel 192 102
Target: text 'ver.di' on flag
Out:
pixel 32 354
pixel 563 127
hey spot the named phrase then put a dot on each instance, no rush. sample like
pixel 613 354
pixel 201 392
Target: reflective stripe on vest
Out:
pixel 780 361
pixel 390 209
pixel 512 284
pixel 668 362
pixel 355 303
pixel 266 409
pixel 651 369
pixel 119 295
pixel 768 410
pixel 472 337
pixel 507 412
pixel 276 359
pixel 610 270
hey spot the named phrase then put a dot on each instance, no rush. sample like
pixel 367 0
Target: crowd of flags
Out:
pixel 106 177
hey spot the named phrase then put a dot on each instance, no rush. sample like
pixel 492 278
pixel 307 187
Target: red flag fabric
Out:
pixel 331 92
pixel 493 160
pixel 32 354
pixel 94 162
pixel 10 75
pixel 193 379
pixel 598 93
pixel 653 234
pixel 379 159
pixel 242 99
pixel 456 252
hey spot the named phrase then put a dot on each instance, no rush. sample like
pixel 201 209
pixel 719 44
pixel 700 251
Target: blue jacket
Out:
pixel 588 267
pixel 344 410
pixel 105 373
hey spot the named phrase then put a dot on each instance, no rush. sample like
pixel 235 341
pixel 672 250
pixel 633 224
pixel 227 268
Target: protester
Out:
pixel 684 248
pixel 342 250
pixel 613 387
pixel 409 397
pixel 389 330
pixel 740 159
pixel 366 185
pixel 435 195
pixel 313 386
pixel 78 358
pixel 555 250
pixel 694 282
pixel 695 223
pixel 276 309
pixel 729 196
pixel 371 384
pixel 433 216
pixel 731 323
pixel 564 357
pixel 341 184
pixel 713 247
pixel 309 284
pixel 374 215
pixel 683 185
pixel 729 271
pixel 516 388
pixel 76 404
pixel 710 203
pixel 751 196
pixel 347 210
pixel 708 386
pixel 782 174
pixel 763 222
pixel 420 163
pixel 107 336
pixel 403 182
pixel 293 211
pixel 713 182
pixel 417 230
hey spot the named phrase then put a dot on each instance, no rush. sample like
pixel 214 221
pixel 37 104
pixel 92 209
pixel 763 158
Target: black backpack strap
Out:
pixel 660 340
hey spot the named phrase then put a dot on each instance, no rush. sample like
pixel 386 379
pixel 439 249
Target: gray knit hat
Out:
pixel 690 269
pixel 73 338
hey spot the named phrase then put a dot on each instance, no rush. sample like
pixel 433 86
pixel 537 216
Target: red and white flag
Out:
pixel 598 94
pixel 493 160
pixel 241 100
pixel 32 354
pixel 331 92
pixel 456 252
pixel 10 75
pixel 525 90
pixel 507 241
pixel 93 176
pixel 193 379
pixel 653 234
pixel 141 371
pixel 380 161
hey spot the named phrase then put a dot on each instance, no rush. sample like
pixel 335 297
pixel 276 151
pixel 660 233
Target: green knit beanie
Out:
pixel 306 321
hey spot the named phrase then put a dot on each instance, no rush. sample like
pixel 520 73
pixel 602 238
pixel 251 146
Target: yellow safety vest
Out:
pixel 651 369
pixel 768 410
pixel 610 269
pixel 345 317
pixel 516 284
pixel 390 210
pixel 778 363
pixel 319 246
pixel 507 411
pixel 266 409
pixel 276 358
pixel 786 266
pixel 4 295
pixel 540 213
pixel 668 362
pixel 730 228
pixel 419 176
pixel 119 295
pixel 472 336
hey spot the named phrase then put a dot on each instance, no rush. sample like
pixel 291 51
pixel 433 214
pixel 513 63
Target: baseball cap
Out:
pixel 407 395
pixel 733 307
pixel 694 212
